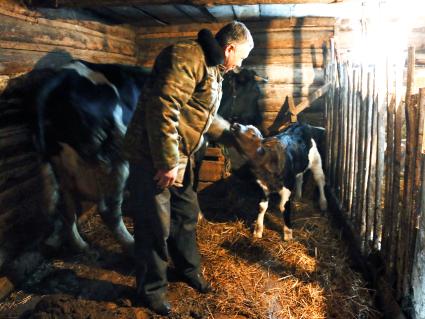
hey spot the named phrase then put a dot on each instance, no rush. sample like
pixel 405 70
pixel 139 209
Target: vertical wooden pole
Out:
pixel 389 171
pixel 409 173
pixel 398 126
pixel 354 142
pixel 381 101
pixel 372 145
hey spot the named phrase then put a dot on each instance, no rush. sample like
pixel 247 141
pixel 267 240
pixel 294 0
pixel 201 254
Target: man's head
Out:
pixel 237 43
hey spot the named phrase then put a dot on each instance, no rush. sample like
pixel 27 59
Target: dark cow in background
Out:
pixel 81 114
pixel 278 163
pixel 240 97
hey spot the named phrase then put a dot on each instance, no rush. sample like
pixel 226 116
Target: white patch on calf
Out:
pixel 93 76
pixel 259 225
pixel 263 187
pixel 118 116
pixel 315 164
pixel 284 194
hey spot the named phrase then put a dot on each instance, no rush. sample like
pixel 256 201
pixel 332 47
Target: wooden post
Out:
pixel 372 141
pixel 409 173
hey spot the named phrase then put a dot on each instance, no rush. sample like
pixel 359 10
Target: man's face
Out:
pixel 234 54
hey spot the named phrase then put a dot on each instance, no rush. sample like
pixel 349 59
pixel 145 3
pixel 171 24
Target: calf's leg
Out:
pixel 299 185
pixel 315 164
pixel 284 197
pixel 259 225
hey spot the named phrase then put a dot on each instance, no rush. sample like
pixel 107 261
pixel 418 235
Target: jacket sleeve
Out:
pixel 177 71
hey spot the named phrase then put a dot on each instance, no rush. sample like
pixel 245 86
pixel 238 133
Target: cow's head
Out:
pixel 267 153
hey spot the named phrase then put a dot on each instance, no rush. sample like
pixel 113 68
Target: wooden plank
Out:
pixel 312 97
pixel 275 58
pixel 167 14
pixel 27 57
pixel 355 142
pixel 197 14
pixel 10 32
pixel 381 101
pixel 372 149
pixel 275 104
pixel 343 133
pixel 291 75
pixel 97 3
pixel 13 9
pixel 348 146
pixel 222 13
pixel 280 91
pixel 275 25
pixel 211 171
pixel 407 222
pixel 20 190
pixel 247 12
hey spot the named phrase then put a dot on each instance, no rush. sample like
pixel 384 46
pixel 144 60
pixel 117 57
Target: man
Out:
pixel 177 106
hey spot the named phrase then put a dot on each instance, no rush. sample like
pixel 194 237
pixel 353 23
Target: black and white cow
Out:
pixel 278 164
pixel 82 113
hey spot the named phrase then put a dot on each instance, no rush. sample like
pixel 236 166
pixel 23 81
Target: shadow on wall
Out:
pixel 21 86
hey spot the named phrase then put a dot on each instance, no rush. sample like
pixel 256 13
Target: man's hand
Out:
pixel 166 178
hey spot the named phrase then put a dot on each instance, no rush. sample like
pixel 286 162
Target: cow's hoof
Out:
pixel 323 205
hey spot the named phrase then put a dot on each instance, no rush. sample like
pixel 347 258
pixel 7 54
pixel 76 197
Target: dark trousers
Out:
pixel 164 225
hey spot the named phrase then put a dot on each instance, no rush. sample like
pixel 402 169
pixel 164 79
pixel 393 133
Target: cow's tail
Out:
pixel 41 102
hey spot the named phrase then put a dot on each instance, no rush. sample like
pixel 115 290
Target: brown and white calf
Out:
pixel 278 164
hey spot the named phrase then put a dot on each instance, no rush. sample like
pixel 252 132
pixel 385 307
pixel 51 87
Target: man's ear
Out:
pixel 228 49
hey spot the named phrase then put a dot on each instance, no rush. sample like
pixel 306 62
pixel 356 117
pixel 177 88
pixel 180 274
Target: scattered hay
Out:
pixel 308 277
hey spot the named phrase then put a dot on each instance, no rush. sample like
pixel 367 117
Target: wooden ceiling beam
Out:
pixel 104 3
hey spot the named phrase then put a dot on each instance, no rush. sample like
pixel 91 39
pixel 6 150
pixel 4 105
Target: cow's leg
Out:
pixel 68 208
pixel 259 225
pixel 110 206
pixel 70 218
pixel 284 197
pixel 315 164
pixel 299 185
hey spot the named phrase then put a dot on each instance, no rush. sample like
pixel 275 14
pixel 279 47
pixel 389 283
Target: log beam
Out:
pixel 105 3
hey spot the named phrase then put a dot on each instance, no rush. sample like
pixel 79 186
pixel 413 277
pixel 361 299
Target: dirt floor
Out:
pixel 308 277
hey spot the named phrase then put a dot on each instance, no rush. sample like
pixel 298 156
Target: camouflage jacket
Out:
pixel 176 108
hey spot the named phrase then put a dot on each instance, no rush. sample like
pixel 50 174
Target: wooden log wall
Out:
pixel 31 39
pixel 290 52
pixel 375 121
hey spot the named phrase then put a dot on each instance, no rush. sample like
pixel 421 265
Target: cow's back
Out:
pixel 296 141
pixel 88 106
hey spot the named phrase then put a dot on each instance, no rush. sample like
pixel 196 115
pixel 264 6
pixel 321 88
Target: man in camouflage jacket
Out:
pixel 176 108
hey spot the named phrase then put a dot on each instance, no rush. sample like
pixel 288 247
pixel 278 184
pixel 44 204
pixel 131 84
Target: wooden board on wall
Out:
pixel 28 39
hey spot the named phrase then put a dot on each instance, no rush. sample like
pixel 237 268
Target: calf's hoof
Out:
pixel 287 234
pixel 257 233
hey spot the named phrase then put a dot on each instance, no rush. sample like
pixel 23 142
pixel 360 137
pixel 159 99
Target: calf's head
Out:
pixel 267 153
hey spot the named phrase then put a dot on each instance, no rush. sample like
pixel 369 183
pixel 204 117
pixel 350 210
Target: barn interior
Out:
pixel 356 68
